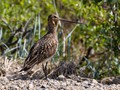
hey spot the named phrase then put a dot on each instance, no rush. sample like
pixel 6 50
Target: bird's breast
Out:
pixel 48 50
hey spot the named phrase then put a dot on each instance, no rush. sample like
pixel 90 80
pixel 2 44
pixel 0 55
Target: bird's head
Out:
pixel 53 19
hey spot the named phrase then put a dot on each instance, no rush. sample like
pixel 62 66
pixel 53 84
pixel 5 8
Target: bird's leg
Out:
pixel 45 70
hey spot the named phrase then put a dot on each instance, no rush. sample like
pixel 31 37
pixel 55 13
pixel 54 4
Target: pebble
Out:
pixel 61 77
pixel 85 82
pixel 52 84
pixel 4 80
pixel 94 81
pixel 13 87
pixel 31 86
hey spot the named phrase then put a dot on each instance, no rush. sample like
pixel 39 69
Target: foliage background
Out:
pixel 94 44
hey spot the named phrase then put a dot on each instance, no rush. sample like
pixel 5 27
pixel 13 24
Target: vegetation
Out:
pixel 94 44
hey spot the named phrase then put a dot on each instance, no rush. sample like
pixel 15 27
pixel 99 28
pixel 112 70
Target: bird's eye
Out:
pixel 55 17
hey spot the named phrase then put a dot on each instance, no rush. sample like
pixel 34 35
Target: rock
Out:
pixel 94 81
pixel 13 87
pixel 85 82
pixel 68 83
pixel 107 80
pixel 38 88
pixel 63 84
pixel 4 80
pixel 31 86
pixel 42 86
pixel 24 88
pixel 61 77
pixel 77 84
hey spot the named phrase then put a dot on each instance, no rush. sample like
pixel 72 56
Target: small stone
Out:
pixel 68 83
pixel 13 87
pixel 94 81
pixel 4 80
pixel 31 86
pixel 63 83
pixel 2 87
pixel 77 84
pixel 42 86
pixel 85 82
pixel 38 88
pixel 24 88
pixel 61 77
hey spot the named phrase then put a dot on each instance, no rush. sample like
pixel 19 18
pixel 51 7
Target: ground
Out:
pixel 9 81
pixel 61 83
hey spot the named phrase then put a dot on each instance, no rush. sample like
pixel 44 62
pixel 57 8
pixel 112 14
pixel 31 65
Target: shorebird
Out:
pixel 45 48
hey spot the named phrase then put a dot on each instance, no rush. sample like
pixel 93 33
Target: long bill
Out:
pixel 64 20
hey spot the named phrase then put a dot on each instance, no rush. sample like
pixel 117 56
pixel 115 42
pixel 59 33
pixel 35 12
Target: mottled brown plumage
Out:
pixel 45 48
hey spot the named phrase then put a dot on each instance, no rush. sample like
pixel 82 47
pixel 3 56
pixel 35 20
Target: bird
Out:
pixel 45 48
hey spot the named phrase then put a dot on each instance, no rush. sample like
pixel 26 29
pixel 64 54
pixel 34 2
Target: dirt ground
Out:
pixel 61 83
pixel 20 81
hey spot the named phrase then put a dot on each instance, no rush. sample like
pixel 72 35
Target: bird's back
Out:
pixel 43 49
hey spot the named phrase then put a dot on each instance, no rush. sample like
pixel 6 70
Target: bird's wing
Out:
pixel 40 51
pixel 31 59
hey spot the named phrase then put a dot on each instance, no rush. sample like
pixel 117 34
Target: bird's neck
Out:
pixel 52 29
